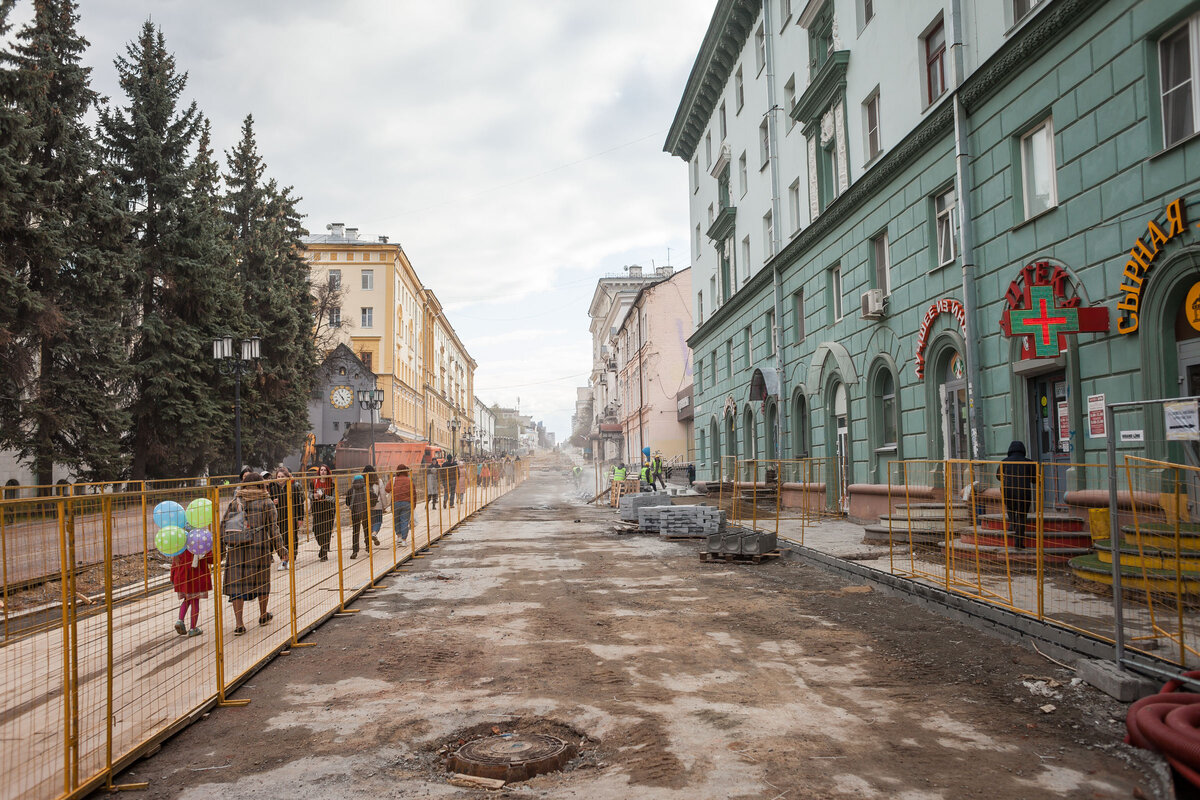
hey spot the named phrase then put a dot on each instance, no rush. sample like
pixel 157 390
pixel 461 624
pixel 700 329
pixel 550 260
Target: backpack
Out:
pixel 235 532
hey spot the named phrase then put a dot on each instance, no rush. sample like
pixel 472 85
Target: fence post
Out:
pixel 4 562
pixel 145 544
pixel 337 521
pixel 218 615
pixel 1115 538
pixel 1040 539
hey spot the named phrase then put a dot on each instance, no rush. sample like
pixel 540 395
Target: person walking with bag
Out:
pixel 378 501
pixel 249 534
pixel 322 498
pixel 400 487
pixel 359 503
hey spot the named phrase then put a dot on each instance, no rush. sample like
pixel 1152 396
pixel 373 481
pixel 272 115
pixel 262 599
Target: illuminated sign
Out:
pixel 946 305
pixel 1141 258
pixel 1043 310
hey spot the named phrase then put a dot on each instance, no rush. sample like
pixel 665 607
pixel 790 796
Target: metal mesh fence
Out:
pixel 102 656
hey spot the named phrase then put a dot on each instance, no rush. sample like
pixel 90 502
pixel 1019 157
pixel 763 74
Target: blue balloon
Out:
pixel 168 514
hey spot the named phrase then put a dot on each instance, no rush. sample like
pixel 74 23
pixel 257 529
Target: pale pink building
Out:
pixel 654 371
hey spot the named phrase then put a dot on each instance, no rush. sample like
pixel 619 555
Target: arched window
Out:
pixel 888 409
pixel 750 433
pixel 701 450
pixel 714 436
pixel 770 432
pixel 799 427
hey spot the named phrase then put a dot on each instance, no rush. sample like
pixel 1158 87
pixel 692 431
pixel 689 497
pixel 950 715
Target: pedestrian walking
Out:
pixel 191 575
pixel 1017 476
pixel 248 562
pixel 358 500
pixel 433 481
pixel 656 472
pixel 400 487
pixel 378 501
pixel 284 490
pixel 450 480
pixel 323 499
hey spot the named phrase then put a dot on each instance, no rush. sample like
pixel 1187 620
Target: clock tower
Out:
pixel 333 405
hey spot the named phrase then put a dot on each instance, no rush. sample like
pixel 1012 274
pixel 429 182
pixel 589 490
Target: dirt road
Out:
pixel 677 679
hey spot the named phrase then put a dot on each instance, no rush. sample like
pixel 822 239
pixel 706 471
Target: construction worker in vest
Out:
pixel 619 472
pixel 646 475
pixel 577 471
pixel 656 471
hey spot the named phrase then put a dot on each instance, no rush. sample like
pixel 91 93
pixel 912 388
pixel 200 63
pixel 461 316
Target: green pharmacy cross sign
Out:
pixel 1040 312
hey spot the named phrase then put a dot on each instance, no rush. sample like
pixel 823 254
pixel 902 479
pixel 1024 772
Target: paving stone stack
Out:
pixel 738 541
pixel 630 503
pixel 649 517
pixel 694 522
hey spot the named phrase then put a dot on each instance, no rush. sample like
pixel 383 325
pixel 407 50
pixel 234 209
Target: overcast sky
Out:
pixel 513 147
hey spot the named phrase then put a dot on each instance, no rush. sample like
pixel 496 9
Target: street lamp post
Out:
pixel 251 351
pixel 453 434
pixel 371 400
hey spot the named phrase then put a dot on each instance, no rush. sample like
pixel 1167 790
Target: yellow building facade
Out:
pixel 372 300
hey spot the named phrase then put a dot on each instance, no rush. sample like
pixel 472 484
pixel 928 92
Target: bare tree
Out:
pixel 327 313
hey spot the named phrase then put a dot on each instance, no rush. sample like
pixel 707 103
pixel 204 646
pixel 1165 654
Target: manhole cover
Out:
pixel 511 756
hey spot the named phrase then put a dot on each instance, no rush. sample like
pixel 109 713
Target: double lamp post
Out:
pixel 237 365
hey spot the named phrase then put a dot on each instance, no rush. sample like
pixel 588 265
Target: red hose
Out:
pixel 1169 723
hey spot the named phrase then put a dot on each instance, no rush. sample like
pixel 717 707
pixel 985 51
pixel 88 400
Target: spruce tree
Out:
pixel 176 281
pixel 266 232
pixel 70 410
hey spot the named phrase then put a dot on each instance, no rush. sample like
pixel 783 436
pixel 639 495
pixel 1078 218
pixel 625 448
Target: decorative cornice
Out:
pixel 722 226
pixel 825 86
pixel 727 33
pixel 1028 43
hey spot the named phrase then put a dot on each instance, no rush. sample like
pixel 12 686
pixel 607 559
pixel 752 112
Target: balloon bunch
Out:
pixel 182 529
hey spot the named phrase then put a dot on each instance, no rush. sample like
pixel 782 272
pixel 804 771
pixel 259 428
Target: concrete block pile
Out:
pixel 649 517
pixel 690 521
pixel 630 504
pixel 740 541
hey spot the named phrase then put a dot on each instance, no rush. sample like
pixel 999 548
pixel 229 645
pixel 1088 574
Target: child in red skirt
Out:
pixel 191 576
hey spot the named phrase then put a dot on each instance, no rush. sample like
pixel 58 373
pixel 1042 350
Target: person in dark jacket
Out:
pixel 283 487
pixel 1017 475
pixel 450 480
pixel 359 503
pixel 247 573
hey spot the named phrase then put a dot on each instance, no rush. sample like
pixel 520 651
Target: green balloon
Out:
pixel 199 512
pixel 171 540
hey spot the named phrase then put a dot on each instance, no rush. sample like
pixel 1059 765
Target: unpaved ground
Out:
pixel 677 679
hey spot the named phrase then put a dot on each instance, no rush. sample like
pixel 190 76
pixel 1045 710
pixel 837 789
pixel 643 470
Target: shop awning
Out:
pixel 764 383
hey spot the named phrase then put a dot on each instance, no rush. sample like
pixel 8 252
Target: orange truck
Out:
pixel 388 456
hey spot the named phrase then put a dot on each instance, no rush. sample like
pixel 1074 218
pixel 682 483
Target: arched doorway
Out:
pixel 731 448
pixel 839 428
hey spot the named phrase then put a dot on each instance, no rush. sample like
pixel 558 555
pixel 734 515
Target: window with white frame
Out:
pixel 1178 62
pixel 794 206
pixel 697 240
pixel 764 144
pixel 368 316
pixel 871 125
pixel 866 12
pixel 789 99
pixel 798 316
pixel 746 334
pixel 699 306
pixel 768 236
pixel 888 418
pixel 770 326
pixel 729 356
pixel 881 261
pixel 712 370
pixel 760 48
pixel 739 91
pixel 935 62
pixel 708 150
pixel 335 279
pixel 742 179
pixel 746 258
pixel 696 173
pixel 835 289
pixel 712 291
pixel 335 317
pixel 1021 9
pixel 368 279
pixel 721 121
pixel 1039 189
pixel 944 213
pixel 711 217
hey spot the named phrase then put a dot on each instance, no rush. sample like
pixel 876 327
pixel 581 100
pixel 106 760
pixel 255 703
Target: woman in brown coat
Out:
pixel 248 566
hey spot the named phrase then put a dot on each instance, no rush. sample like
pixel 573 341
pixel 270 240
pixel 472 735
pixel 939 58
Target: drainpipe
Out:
pixel 776 239
pixel 966 234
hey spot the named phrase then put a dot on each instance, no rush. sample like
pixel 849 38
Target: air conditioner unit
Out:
pixel 872 304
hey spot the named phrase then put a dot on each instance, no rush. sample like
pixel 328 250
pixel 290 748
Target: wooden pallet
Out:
pixel 739 559
pixel 679 537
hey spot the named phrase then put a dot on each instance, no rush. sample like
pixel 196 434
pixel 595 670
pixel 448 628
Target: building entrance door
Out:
pixel 841 418
pixel 1050 434
pixel 1189 386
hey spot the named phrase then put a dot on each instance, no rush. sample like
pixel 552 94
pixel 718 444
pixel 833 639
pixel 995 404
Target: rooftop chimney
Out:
pixel 383 239
pixel 337 230
pixel 665 272
pixel 635 270
pixel 352 234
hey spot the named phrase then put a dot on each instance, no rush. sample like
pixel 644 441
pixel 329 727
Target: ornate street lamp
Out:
pixel 251 351
pixel 371 400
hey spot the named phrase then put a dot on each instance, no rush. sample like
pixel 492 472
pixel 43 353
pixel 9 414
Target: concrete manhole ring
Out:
pixel 511 756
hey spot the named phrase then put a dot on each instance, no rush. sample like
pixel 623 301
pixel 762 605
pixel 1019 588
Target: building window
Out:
pixel 885 394
pixel 827 178
pixel 764 144
pixel 335 425
pixel 746 259
pixel 785 13
pixel 721 121
pixel 768 236
pixel 742 179
pixel 699 306
pixel 335 279
pixel 798 316
pixel 1177 65
pixel 835 289
pixel 935 62
pixel 746 346
pixel 789 100
pixel 712 360
pixel 701 451
pixel 1021 8
pixel 729 356
pixel 871 125
pixel 794 206
pixel 820 38
pixel 368 279
pixel 712 291
pixel 760 48
pixel 696 173
pixel 708 150
pixel 368 316
pixel 770 322
pixel 697 240
pixel 365 357
pixel 739 90
pixel 335 317
pixel 711 217
pixel 1038 174
pixel 699 376
pixel 866 12
pixel 943 209
pixel 881 262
